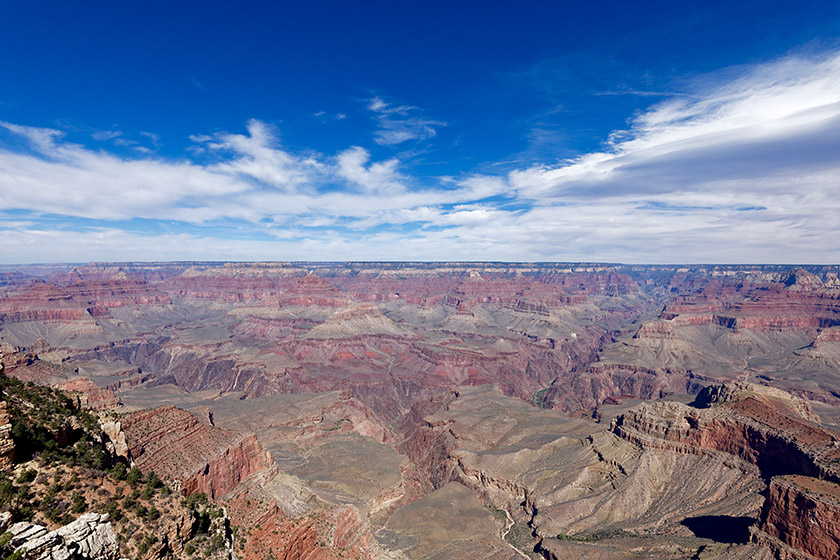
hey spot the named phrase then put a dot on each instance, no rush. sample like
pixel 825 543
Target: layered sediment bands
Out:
pixel 383 392
pixel 766 322
pixel 91 395
pixel 320 534
pixel 537 466
pixel 7 444
pixel 350 531
pixel 77 300
pixel 772 430
pixel 224 472
pixel 804 514
pixel 334 534
pixel 603 383
pixel 771 397
pixel 173 443
pixel 44 315
pixel 775 441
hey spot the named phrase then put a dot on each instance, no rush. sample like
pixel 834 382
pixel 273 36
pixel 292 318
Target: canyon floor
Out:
pixel 459 410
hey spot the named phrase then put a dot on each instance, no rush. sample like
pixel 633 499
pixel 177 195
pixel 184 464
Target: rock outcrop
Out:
pixel 174 444
pixel 773 430
pixel 90 537
pixel 115 440
pixel 7 445
pixel 778 441
pixel 90 395
pixel 804 514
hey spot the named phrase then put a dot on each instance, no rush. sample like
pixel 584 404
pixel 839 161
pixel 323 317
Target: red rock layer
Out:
pixel 175 444
pixel 777 442
pixel 804 513
pixel 82 300
pixel 604 383
pixel 322 534
pixel 93 396
pixel 798 300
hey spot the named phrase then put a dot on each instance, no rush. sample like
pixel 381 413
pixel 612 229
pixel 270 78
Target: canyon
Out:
pixel 458 410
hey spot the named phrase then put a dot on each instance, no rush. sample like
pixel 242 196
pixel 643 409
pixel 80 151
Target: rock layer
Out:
pixel 174 444
pixel 90 537
pixel 804 514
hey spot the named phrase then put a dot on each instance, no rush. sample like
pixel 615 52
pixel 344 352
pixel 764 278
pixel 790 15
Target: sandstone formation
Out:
pixel 804 514
pixel 7 445
pixel 174 444
pixel 91 395
pixel 90 537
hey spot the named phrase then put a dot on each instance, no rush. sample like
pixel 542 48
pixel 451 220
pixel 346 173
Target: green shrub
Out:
pixel 119 471
pixel 79 503
pixel 134 476
pixel 26 476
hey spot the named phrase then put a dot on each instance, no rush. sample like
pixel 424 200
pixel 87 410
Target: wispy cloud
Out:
pixel 102 135
pixel 741 168
pixel 248 177
pixel 324 116
pixel 153 138
pixel 400 123
pixel 766 138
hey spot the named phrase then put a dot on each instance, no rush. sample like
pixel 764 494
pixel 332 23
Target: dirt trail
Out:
pixel 505 534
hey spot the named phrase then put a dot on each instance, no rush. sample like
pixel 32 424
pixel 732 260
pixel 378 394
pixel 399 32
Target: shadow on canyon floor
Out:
pixel 720 528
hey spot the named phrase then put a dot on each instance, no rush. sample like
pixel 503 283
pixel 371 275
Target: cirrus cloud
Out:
pixel 741 166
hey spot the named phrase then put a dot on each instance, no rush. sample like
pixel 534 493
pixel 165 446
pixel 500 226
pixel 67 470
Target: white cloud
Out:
pixel 398 124
pixel 102 135
pixel 744 169
pixel 776 118
pixel 737 169
pixel 252 179
pixel 381 177
pixel 259 158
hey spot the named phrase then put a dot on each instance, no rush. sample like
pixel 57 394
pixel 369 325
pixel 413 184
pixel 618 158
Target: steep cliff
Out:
pixel 173 443
pixel 804 514
pixel 7 444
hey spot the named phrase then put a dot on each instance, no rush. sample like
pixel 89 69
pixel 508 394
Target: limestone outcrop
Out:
pixel 757 430
pixel 7 445
pixel 90 537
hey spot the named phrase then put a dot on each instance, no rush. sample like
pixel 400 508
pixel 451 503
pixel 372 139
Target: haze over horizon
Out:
pixel 647 133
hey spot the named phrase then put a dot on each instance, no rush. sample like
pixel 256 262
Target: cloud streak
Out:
pixel 401 123
pixel 740 167
pixel 250 178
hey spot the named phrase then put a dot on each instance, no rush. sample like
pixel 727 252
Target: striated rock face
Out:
pixel 778 442
pixel 7 445
pixel 90 537
pixel 604 383
pixel 804 514
pixel 91 395
pixel 775 431
pixel 223 472
pixel 174 444
pixel 734 392
pixel 115 439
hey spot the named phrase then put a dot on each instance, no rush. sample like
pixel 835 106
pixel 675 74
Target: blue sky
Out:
pixel 649 132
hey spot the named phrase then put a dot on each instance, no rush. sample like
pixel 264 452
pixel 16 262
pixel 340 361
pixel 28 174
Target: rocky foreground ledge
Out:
pixel 90 537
